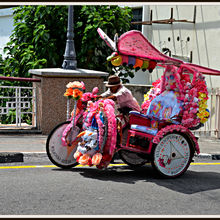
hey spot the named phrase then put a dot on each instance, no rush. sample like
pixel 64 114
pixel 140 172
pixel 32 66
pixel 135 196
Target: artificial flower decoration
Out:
pixel 190 89
pixel 77 94
pixel 74 90
pixel 151 94
pixel 97 145
pixel 69 92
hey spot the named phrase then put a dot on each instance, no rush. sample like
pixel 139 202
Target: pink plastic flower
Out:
pixel 95 90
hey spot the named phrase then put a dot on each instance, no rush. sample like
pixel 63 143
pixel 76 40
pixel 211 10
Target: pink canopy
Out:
pixel 203 70
pixel 134 43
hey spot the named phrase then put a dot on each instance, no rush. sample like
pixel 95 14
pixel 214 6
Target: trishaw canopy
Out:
pixel 134 43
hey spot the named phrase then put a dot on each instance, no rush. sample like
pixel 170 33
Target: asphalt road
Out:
pixel 31 188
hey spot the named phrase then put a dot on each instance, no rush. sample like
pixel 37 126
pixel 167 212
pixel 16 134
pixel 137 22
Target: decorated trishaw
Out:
pixel 161 133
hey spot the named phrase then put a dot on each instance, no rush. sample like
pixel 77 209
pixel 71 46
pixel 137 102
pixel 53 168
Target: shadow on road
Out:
pixel 191 182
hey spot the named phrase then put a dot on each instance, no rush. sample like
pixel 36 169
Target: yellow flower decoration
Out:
pixel 146 96
pixel 203 120
pixel 206 114
pixel 203 114
pixel 202 95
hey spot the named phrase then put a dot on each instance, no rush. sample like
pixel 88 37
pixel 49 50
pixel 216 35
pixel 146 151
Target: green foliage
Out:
pixel 10 117
pixel 91 50
pixel 39 37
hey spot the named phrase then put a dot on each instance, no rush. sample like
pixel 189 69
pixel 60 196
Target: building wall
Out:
pixel 202 38
pixel 6 27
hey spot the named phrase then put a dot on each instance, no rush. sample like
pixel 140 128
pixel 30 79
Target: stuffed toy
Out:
pixel 88 147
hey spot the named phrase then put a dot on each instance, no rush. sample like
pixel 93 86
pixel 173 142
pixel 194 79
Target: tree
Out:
pixel 39 37
pixel 35 41
pixel 92 51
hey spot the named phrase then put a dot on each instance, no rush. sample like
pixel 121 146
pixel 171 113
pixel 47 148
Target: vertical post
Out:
pixel 171 16
pixel 194 16
pixel 68 109
pixel 74 113
pixel 70 54
pixel 211 113
pixel 16 98
pixel 218 112
pixel 34 108
pixel 19 106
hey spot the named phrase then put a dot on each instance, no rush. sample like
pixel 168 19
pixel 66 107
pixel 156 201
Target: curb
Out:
pixel 19 131
pixel 208 156
pixel 6 157
pixel 15 157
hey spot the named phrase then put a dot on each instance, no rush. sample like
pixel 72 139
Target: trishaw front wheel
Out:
pixel 60 155
pixel 172 156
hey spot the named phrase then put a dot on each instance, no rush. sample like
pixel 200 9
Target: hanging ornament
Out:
pixel 131 61
pixel 124 60
pixel 145 65
pixel 117 61
pixel 152 65
pixel 138 64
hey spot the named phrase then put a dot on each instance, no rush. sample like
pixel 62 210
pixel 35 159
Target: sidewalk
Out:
pixel 209 148
pixel 14 147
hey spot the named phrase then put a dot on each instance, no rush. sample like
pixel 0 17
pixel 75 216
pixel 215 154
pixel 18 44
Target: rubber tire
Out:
pixel 135 162
pixel 48 146
pixel 155 167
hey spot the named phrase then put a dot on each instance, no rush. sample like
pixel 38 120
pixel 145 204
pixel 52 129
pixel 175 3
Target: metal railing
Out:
pixel 18 107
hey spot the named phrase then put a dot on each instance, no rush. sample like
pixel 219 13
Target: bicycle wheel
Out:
pixel 59 155
pixel 172 156
pixel 132 159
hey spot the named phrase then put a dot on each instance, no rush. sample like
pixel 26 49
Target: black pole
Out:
pixel 70 54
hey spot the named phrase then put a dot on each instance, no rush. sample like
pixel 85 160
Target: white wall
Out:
pixel 204 36
pixel 6 27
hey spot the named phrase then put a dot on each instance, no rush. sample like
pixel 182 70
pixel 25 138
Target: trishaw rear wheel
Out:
pixel 59 155
pixel 132 159
pixel 172 156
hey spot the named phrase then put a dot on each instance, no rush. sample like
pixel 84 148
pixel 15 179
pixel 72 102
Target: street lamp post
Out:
pixel 70 54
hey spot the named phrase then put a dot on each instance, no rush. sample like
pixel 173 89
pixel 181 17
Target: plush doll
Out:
pixel 87 149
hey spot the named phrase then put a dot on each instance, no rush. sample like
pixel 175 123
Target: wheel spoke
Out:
pixel 174 150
